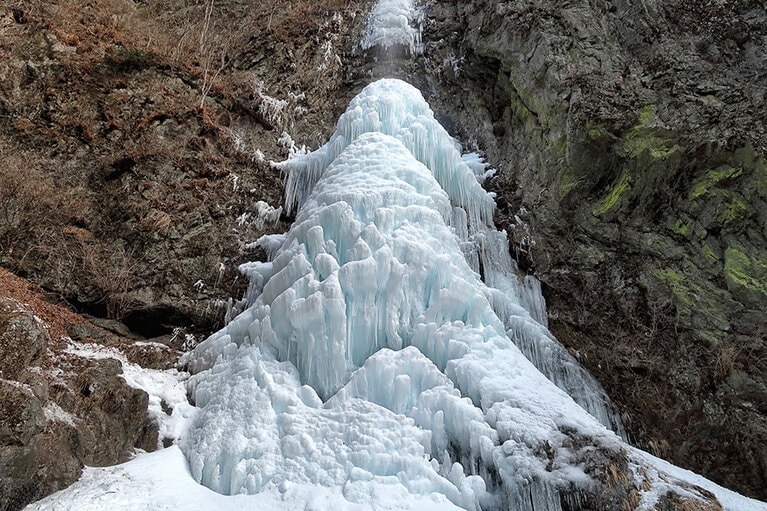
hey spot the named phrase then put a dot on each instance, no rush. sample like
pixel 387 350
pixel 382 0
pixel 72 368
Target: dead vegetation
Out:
pixel 144 131
pixel 197 37
pixel 27 198
pixel 58 318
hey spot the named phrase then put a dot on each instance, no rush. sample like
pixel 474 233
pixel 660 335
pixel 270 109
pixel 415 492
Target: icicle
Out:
pixel 536 495
pixel 561 368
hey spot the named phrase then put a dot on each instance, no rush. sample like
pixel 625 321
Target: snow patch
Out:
pixel 54 413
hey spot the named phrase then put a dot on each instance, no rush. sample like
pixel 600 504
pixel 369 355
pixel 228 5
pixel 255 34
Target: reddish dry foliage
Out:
pixel 57 317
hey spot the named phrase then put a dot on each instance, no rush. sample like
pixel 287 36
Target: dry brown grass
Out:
pixel 157 221
pixel 28 200
pixel 301 21
pixel 117 107
pixel 193 34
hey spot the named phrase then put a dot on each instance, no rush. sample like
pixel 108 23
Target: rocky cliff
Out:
pixel 629 139
pixel 61 406
pixel 148 129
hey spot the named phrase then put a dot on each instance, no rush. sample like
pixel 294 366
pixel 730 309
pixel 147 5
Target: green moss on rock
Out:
pixel 567 182
pixel 561 146
pixel 711 179
pixel 713 337
pixel 596 131
pixel 747 158
pixel 674 282
pixel 613 196
pixel 659 246
pixel 758 181
pixel 638 142
pixel 709 254
pixel 642 139
pixel 731 208
pixel 646 114
pixel 521 110
pixel 527 106
pixel 700 305
pixel 719 208
pixel 683 227
pixel 746 274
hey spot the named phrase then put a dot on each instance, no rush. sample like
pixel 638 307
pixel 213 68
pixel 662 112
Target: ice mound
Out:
pixel 370 345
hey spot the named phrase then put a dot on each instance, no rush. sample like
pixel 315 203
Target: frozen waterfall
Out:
pixel 372 361
pixel 395 108
pixel 374 370
pixel 394 23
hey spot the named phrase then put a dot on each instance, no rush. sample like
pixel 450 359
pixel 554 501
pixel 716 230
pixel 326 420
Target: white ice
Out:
pixel 393 23
pixel 372 347
pixel 395 108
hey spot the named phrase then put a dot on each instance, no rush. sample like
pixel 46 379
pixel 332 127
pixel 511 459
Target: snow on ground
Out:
pixel 666 474
pixel 54 413
pixel 161 481
pixel 168 403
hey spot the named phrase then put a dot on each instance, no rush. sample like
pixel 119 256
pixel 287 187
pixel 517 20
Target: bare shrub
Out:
pixel 726 357
pixel 295 24
pixel 28 201
pixel 213 49
pixel 113 270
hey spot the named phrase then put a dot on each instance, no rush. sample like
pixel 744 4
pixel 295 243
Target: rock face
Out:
pixel 152 146
pixel 22 342
pixel 630 139
pixel 55 419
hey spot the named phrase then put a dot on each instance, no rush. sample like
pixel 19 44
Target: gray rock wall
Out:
pixel 630 141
